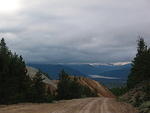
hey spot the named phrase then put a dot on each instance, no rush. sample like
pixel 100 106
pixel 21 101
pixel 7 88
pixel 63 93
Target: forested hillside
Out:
pixel 137 91
pixel 15 85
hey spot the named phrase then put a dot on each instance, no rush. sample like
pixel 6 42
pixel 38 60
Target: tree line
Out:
pixel 140 71
pixel 140 65
pixel 15 85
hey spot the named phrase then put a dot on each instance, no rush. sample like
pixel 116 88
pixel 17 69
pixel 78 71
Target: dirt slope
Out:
pixel 96 87
pixel 88 105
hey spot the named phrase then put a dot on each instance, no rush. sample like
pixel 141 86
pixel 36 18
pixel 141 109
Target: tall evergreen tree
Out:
pixel 4 62
pixel 140 65
pixel 39 89
pixel 63 85
pixel 14 82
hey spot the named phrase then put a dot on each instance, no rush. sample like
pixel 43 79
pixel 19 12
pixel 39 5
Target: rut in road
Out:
pixel 88 105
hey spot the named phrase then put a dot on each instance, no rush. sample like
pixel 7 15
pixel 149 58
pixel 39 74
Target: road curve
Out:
pixel 88 105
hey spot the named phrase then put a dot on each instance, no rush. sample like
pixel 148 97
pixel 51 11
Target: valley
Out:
pixel 107 74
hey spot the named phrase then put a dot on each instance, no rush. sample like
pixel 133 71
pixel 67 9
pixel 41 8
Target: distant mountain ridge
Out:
pixel 118 71
pixel 54 69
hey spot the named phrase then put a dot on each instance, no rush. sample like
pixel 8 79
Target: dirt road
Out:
pixel 88 105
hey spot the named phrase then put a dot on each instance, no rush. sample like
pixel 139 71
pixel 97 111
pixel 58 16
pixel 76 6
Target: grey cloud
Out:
pixel 64 31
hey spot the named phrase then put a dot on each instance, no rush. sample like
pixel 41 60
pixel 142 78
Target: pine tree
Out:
pixel 14 82
pixel 140 65
pixel 4 71
pixel 63 85
pixel 15 85
pixel 39 89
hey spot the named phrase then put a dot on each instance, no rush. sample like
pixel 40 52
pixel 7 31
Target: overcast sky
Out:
pixel 75 31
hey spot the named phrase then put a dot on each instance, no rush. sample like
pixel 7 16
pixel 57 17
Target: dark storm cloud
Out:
pixel 67 31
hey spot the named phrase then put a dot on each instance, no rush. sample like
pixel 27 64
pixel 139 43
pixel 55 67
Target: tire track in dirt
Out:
pixel 72 106
pixel 87 107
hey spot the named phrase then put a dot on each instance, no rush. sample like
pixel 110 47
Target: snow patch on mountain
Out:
pixel 104 77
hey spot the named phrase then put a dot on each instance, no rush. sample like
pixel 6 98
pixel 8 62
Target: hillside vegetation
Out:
pixel 137 91
pixel 15 84
pixel 139 96
pixel 139 79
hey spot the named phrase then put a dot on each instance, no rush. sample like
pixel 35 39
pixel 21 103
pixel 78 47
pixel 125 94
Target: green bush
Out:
pixel 119 91
pixel 145 107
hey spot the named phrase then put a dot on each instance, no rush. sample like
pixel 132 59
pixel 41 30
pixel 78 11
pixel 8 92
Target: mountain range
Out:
pixel 108 74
